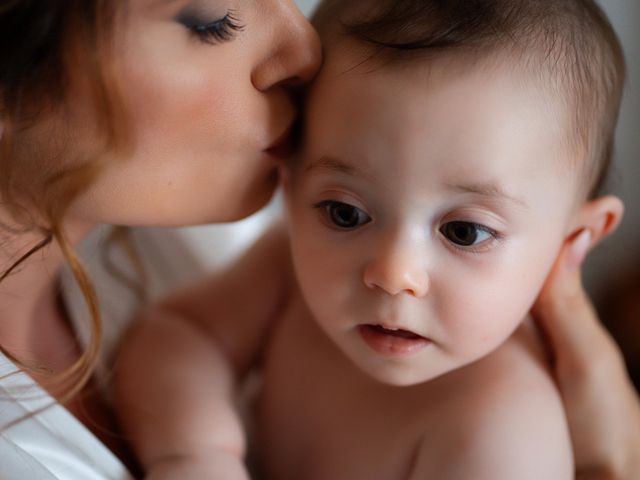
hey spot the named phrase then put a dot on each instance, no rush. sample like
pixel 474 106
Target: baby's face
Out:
pixel 426 212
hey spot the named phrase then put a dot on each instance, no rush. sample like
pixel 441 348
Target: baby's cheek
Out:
pixel 320 276
pixel 487 316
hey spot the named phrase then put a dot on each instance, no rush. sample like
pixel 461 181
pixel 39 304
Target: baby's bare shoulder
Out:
pixel 504 420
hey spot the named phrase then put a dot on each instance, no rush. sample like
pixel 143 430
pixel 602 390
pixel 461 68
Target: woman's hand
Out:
pixel 602 406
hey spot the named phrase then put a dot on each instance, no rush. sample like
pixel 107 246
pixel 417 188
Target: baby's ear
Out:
pixel 600 216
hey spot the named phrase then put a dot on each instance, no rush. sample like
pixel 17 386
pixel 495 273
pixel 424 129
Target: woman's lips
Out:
pixel 282 146
pixel 391 342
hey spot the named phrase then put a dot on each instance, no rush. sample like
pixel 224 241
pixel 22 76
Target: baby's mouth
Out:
pixel 396 332
pixel 391 341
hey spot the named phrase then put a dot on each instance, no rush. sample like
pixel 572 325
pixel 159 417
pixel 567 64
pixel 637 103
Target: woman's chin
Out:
pixel 179 208
pixel 253 202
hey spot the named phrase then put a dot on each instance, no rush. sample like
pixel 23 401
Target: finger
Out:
pixel 564 311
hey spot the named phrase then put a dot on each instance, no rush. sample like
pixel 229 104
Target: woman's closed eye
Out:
pixel 216 31
pixel 341 215
pixel 468 235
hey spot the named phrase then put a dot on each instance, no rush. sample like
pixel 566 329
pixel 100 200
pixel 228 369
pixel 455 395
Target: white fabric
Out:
pixel 50 445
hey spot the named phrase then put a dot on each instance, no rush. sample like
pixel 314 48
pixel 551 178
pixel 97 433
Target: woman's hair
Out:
pixel 44 46
pixel 567 44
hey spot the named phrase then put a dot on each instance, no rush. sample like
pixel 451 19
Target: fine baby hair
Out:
pixel 568 45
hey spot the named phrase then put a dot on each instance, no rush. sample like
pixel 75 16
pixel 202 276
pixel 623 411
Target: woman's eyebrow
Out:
pixel 165 3
pixel 489 190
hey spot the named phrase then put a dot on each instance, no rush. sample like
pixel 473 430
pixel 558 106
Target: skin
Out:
pixel 201 116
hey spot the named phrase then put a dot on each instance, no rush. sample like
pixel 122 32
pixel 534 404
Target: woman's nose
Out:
pixel 397 269
pixel 294 50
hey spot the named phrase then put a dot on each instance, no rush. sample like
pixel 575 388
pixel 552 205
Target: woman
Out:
pixel 145 112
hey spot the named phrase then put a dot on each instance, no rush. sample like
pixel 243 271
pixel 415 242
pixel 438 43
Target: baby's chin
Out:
pixel 401 374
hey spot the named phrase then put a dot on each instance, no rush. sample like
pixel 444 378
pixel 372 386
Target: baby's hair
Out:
pixel 568 44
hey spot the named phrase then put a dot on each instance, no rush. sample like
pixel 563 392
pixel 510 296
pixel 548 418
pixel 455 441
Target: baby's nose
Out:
pixel 397 269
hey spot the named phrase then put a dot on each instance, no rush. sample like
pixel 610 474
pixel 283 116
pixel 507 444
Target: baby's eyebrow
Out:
pixel 489 190
pixel 333 165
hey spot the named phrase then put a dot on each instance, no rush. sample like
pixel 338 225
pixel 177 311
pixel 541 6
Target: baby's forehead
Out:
pixel 478 87
pixel 444 108
pixel 446 85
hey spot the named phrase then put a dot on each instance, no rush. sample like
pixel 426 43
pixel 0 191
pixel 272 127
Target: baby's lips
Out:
pixel 393 343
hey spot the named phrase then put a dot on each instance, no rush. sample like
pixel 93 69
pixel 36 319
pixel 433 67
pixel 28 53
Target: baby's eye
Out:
pixel 343 215
pixel 467 234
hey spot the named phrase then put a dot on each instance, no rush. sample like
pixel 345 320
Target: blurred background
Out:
pixel 174 256
pixel 613 274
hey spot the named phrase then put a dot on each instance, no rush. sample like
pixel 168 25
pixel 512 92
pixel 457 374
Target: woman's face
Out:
pixel 204 85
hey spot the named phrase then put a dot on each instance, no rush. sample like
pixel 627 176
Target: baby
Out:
pixel 449 150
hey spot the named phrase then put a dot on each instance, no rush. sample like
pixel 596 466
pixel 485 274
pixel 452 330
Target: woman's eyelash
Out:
pixel 218 31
